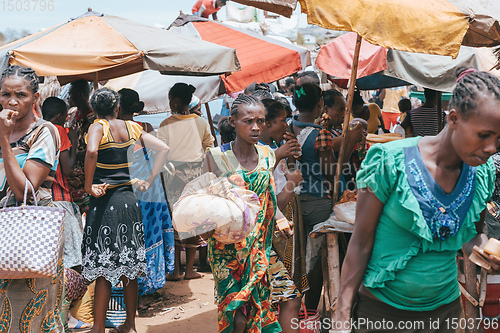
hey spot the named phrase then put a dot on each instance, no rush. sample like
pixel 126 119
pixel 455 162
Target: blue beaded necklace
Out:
pixel 444 213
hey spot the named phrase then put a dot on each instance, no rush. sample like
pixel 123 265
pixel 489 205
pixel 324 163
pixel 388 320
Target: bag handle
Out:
pixel 28 185
pixel 304 309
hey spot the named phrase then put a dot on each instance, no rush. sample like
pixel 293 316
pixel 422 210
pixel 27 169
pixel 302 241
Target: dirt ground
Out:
pixel 179 307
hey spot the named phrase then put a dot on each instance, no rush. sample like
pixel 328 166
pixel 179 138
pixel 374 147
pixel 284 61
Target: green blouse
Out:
pixel 410 269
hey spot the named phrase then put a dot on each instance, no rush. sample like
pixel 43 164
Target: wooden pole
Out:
pixel 332 243
pixel 96 81
pixel 471 310
pixel 347 114
pixel 210 121
pixel 439 107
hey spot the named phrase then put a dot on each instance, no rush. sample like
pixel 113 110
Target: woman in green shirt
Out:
pixel 420 200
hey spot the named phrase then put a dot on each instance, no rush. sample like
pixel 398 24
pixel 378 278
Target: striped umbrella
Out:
pixel 262 59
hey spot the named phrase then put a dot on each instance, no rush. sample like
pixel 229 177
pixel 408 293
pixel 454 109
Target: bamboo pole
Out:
pixel 210 121
pixel 347 114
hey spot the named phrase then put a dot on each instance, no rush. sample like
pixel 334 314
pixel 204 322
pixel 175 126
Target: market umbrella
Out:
pixel 153 88
pixel 424 26
pixel 379 67
pixel 96 46
pixel 262 59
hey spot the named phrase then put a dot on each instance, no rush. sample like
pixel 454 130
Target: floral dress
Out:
pixel 241 269
pixel 113 242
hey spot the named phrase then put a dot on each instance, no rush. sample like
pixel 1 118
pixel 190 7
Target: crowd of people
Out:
pixel 419 200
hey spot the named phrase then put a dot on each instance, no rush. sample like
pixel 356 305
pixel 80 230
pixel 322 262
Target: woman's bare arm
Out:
pixel 368 211
pixel 161 149
pixel 34 171
pixel 94 137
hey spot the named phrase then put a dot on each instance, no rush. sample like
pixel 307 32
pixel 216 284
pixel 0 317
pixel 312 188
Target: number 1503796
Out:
pixel 26 5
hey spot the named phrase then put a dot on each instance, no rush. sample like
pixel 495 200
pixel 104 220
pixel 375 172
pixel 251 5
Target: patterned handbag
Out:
pixel 30 237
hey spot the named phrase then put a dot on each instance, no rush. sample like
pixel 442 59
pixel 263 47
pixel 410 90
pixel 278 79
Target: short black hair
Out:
pixel 25 73
pixel 52 107
pixel 430 95
pixel 81 86
pixel 306 96
pixel 330 95
pixel 273 108
pixel 129 101
pixel 469 87
pixel 227 132
pixel 261 94
pixel 289 82
pixel 310 75
pixel 357 99
pixel 182 91
pixel 286 105
pixel 404 105
pixel 104 101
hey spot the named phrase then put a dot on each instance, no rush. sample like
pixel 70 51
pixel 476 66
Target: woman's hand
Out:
pixel 356 134
pixel 289 136
pixel 142 185
pixel 294 177
pixel 7 123
pixel 288 149
pixel 494 261
pixel 97 190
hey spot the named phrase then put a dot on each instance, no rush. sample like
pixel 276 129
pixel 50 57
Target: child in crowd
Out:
pixel 227 133
pixel 404 106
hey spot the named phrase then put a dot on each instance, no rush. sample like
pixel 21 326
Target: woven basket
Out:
pixel 116 314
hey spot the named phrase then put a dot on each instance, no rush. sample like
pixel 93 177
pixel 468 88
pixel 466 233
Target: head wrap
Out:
pixel 194 102
pixel 466 72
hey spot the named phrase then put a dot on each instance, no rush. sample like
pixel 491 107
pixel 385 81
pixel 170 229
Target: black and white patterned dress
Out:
pixel 113 242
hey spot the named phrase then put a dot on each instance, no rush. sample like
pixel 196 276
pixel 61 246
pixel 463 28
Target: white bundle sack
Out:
pixel 345 212
pixel 209 203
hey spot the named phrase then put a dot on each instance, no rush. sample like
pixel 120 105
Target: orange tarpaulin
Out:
pixel 260 61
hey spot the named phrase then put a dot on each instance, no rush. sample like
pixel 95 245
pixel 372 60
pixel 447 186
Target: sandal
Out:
pixel 79 326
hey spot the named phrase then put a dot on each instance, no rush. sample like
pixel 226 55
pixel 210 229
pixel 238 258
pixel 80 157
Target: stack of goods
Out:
pixel 345 209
